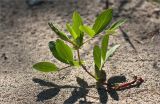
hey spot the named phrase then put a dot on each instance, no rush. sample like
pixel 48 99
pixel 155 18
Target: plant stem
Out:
pixel 64 67
pixel 84 67
pixel 135 82
pixel 87 41
pixel 72 43
pixel 91 39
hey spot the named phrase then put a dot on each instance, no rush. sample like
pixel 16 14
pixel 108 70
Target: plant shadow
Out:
pixel 54 89
pixel 103 92
pixel 79 93
pixel 127 39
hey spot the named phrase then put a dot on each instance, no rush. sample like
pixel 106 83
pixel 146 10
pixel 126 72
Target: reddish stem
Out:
pixel 135 82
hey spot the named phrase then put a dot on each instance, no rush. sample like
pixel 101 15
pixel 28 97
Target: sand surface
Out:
pixel 24 37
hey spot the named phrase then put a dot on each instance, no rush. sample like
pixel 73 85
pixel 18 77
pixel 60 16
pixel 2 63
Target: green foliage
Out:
pixel 101 55
pixel 111 51
pixel 115 26
pixel 65 54
pixel 104 46
pixel 102 21
pixel 45 67
pixel 72 32
pixel 77 21
pixel 88 30
pixel 79 41
pixel 97 56
pixel 52 47
pixel 64 50
pixel 58 32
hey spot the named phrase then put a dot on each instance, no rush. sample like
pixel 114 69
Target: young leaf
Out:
pixel 109 32
pixel 77 21
pixel 97 56
pixel 104 46
pixel 72 32
pixel 64 50
pixel 102 21
pixel 115 26
pixel 87 30
pixel 111 51
pixel 58 32
pixel 45 67
pixel 79 40
pixel 52 47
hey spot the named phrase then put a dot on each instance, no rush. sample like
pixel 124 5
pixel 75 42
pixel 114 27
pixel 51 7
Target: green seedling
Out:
pixel 65 52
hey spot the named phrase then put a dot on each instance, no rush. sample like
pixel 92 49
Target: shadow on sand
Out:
pixel 80 91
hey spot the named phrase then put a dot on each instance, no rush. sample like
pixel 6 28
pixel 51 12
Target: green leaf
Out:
pixel 115 26
pixel 109 32
pixel 45 67
pixel 79 40
pixel 52 47
pixel 111 51
pixel 64 50
pixel 77 21
pixel 87 30
pixel 75 63
pixel 72 32
pixel 97 56
pixel 102 21
pixel 104 46
pixel 58 32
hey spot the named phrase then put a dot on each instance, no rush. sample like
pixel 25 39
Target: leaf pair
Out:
pixel 100 24
pixel 74 30
pixel 104 46
pixel 60 51
pixel 101 54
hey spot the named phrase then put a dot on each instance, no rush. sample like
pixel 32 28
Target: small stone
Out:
pixel 4 56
